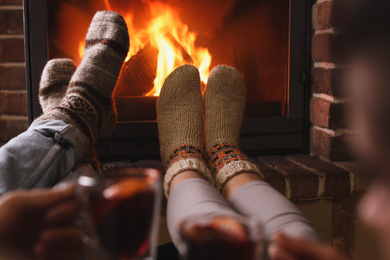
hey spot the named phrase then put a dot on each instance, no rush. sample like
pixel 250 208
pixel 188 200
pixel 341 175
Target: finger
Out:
pixel 278 253
pixel 66 254
pixel 63 213
pixel 41 200
pixel 62 236
pixel 60 242
pixel 307 249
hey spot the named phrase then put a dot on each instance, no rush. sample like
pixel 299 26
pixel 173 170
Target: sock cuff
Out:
pixel 232 169
pixel 184 152
pixel 70 117
pixel 85 110
pixel 188 164
pixel 226 160
pixel 222 154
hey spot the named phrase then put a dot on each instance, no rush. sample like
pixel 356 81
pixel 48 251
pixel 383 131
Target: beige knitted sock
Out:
pixel 224 104
pixel 54 81
pixel 88 103
pixel 179 116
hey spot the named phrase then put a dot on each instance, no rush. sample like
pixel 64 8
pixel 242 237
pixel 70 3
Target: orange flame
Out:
pixel 81 49
pixel 173 40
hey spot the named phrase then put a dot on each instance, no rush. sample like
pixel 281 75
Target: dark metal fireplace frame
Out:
pixel 138 140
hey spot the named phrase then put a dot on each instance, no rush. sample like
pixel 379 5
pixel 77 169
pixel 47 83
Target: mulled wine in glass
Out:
pixel 125 210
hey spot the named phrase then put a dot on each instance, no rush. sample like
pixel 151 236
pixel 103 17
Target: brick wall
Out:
pixel 328 131
pixel 13 97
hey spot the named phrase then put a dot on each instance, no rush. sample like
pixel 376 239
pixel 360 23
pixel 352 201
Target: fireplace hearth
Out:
pixel 268 41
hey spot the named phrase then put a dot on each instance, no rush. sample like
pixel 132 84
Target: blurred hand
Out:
pixel 40 224
pixel 286 248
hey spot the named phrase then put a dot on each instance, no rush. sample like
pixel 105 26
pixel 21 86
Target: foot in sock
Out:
pixel 88 103
pixel 54 81
pixel 224 104
pixel 179 116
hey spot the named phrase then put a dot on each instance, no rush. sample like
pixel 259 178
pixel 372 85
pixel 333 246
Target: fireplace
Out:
pixel 268 41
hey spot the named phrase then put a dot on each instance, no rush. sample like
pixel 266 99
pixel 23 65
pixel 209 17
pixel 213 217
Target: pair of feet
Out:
pixel 83 97
pixel 201 134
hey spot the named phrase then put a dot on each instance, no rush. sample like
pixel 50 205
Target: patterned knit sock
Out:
pixel 179 115
pixel 54 81
pixel 88 103
pixel 224 104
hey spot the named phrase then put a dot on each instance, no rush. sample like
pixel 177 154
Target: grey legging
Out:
pixel 197 197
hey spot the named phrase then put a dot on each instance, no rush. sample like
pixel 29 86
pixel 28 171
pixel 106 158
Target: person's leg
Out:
pixel 192 195
pixel 187 179
pixel 180 126
pixel 49 149
pixel 41 156
pixel 236 176
pixel 256 198
pixel 88 103
pixel 224 105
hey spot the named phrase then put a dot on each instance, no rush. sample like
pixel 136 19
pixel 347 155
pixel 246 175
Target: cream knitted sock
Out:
pixel 179 116
pixel 88 103
pixel 224 104
pixel 54 81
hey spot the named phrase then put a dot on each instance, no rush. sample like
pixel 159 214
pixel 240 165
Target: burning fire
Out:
pixel 173 40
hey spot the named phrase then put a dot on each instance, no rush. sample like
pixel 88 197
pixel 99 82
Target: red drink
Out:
pixel 123 215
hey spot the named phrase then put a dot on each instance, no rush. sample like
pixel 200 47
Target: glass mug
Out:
pixel 221 238
pixel 124 210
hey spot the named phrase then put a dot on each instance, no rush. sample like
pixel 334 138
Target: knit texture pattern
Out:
pixel 223 154
pixel 226 161
pixel 179 116
pixel 88 102
pixel 55 79
pixel 224 105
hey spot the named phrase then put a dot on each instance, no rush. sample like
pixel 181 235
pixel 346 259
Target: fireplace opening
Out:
pixel 252 36
pixel 268 41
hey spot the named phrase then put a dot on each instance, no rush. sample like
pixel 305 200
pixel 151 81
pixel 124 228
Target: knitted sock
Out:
pixel 88 103
pixel 179 116
pixel 224 104
pixel 54 81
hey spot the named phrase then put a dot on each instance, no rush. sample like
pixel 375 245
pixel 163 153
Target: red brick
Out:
pixel 16 104
pixel 3 103
pixel 328 14
pixel 272 177
pixel 319 112
pixel 12 78
pixel 1 50
pixel 359 172
pixel 325 114
pixel 12 50
pixel 322 15
pixel 3 131
pixel 327 81
pixel 15 127
pixel 340 220
pixel 326 47
pixel 329 147
pixel 11 128
pixel 11 21
pixel 303 183
pixel 11 2
pixel 337 180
